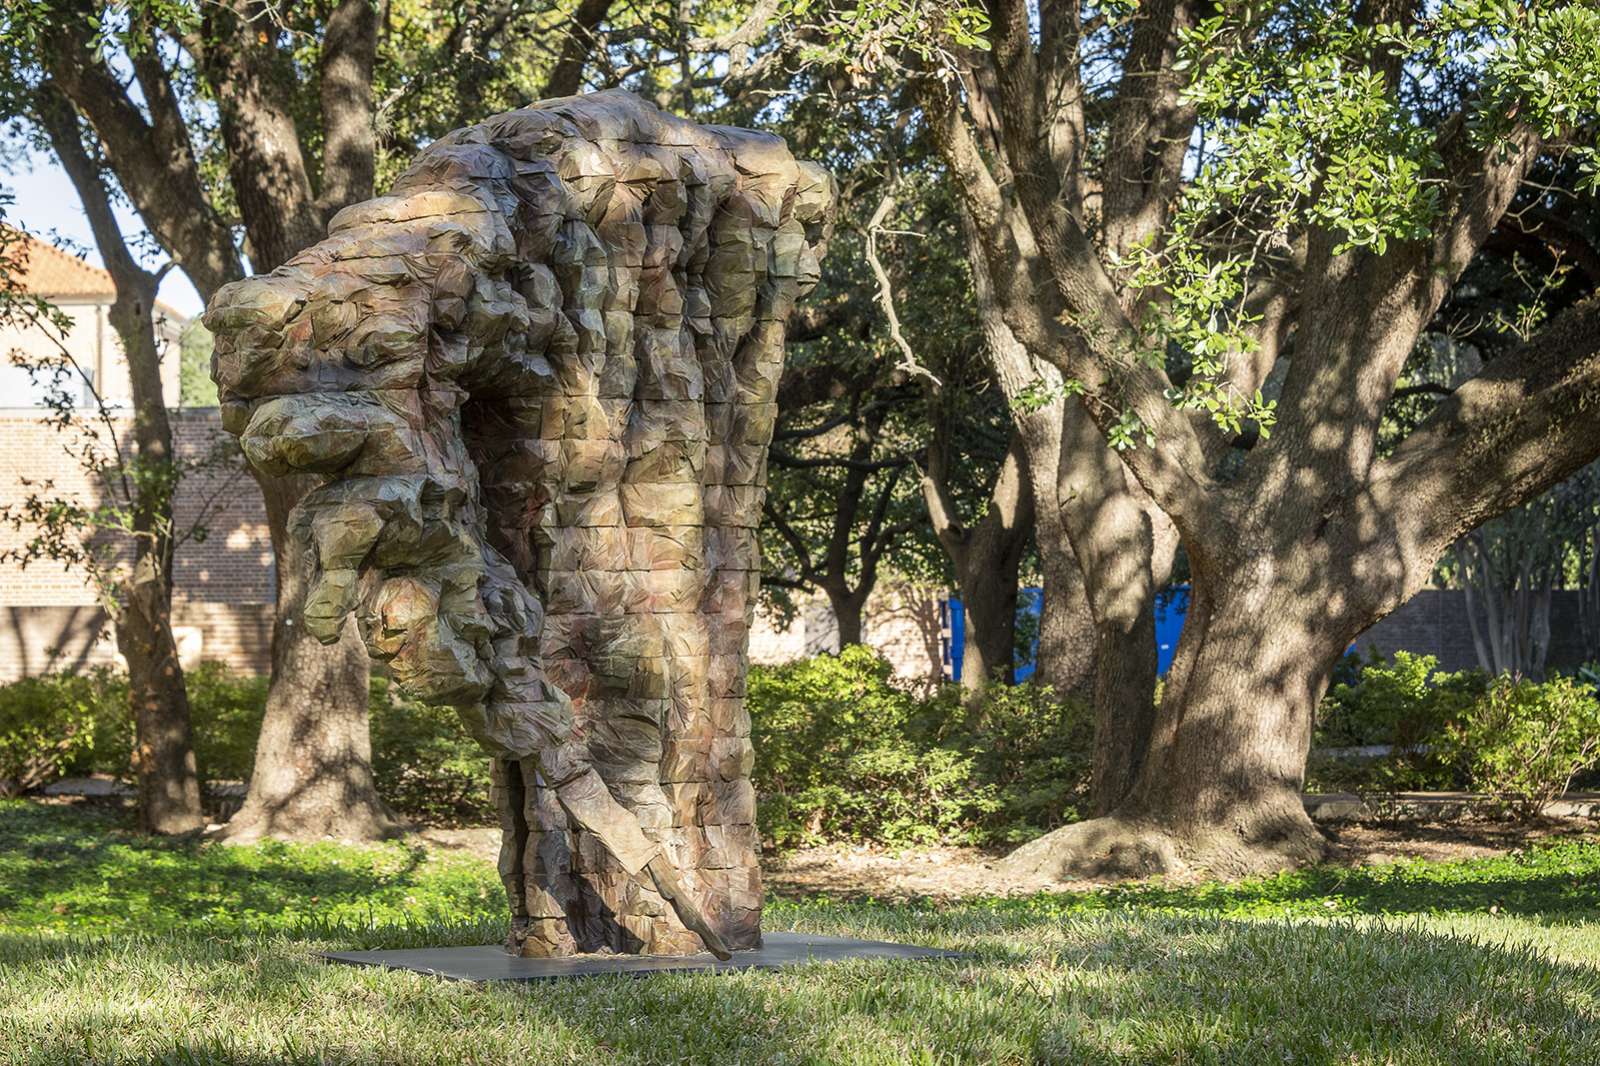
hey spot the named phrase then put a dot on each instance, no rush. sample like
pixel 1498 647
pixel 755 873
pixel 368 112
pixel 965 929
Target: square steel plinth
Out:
pixel 493 964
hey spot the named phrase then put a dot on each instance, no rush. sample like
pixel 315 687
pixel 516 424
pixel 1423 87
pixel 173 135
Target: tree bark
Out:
pixel 985 557
pixel 163 752
pixel 847 605
pixel 1067 637
pixel 313 766
pixel 566 77
pixel 1065 660
pixel 989 600
pixel 164 762
pixel 1106 548
pixel 349 148
pixel 313 773
pixel 1219 788
pixel 267 171
pixel 1124 705
pixel 167 778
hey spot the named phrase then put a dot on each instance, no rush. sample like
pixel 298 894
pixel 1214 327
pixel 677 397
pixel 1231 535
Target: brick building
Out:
pixel 49 617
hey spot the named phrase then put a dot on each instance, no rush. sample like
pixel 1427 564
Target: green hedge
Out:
pixel 843 754
pixel 1523 741
pixel 60 724
pixel 1407 704
pixel 423 761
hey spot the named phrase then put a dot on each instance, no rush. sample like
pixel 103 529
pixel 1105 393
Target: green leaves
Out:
pixel 1525 740
pixel 1313 121
pixel 1537 62
pixel 866 35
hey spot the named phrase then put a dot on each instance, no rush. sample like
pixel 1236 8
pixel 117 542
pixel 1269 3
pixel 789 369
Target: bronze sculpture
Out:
pixel 539 379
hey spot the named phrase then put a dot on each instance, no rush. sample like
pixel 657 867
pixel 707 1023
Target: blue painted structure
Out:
pixel 953 621
pixel 1171 607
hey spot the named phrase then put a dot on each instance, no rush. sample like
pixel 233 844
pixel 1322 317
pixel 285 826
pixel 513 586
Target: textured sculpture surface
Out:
pixel 539 379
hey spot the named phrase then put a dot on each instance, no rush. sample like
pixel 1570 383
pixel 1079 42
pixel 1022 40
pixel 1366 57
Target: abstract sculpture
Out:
pixel 539 380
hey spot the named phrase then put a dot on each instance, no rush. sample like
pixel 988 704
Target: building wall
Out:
pixel 901 622
pixel 224 583
pixel 93 345
pixel 1434 622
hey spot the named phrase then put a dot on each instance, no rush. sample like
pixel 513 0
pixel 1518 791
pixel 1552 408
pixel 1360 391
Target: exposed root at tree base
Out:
pixel 255 823
pixel 1117 846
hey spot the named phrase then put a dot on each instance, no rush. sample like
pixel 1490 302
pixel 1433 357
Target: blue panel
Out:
pixel 953 619
pixel 1030 602
pixel 1171 607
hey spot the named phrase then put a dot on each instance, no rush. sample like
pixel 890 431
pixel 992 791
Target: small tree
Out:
pixel 123 539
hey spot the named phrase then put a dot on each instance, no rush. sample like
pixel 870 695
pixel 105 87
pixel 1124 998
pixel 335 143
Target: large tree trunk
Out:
pixel 1219 789
pixel 1124 546
pixel 1124 704
pixel 1068 638
pixel 985 557
pixel 847 607
pixel 163 752
pixel 1065 660
pixel 163 757
pixel 313 767
pixel 313 773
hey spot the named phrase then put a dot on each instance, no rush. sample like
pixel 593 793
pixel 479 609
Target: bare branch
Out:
pixel 908 358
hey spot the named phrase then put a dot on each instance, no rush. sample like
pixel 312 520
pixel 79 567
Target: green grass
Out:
pixel 117 949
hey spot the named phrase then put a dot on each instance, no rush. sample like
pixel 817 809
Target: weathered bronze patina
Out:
pixel 538 380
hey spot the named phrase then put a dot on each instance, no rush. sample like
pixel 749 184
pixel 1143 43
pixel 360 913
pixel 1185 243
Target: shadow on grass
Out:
pixel 75 869
pixel 1102 989
pixel 1553 884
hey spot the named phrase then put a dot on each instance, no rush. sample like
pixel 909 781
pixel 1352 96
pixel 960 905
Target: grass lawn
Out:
pixel 117 949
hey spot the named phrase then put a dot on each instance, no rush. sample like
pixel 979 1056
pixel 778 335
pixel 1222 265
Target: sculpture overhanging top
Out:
pixel 538 380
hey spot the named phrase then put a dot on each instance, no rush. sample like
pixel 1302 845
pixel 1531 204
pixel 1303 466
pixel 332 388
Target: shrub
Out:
pixel 1406 704
pixel 844 755
pixel 1524 741
pixel 225 709
pixel 1033 748
pixel 56 723
pixel 423 761
pixel 841 754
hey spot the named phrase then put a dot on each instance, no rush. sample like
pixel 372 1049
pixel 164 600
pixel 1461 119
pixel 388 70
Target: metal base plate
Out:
pixel 491 963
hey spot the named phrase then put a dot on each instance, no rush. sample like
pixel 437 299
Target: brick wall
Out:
pixel 1434 622
pixel 49 618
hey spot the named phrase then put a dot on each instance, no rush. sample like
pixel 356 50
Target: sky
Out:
pixel 46 204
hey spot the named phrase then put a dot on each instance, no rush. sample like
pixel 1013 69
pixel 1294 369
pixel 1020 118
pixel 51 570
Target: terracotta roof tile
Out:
pixel 49 271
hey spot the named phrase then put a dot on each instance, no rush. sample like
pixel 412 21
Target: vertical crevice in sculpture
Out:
pixel 540 378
